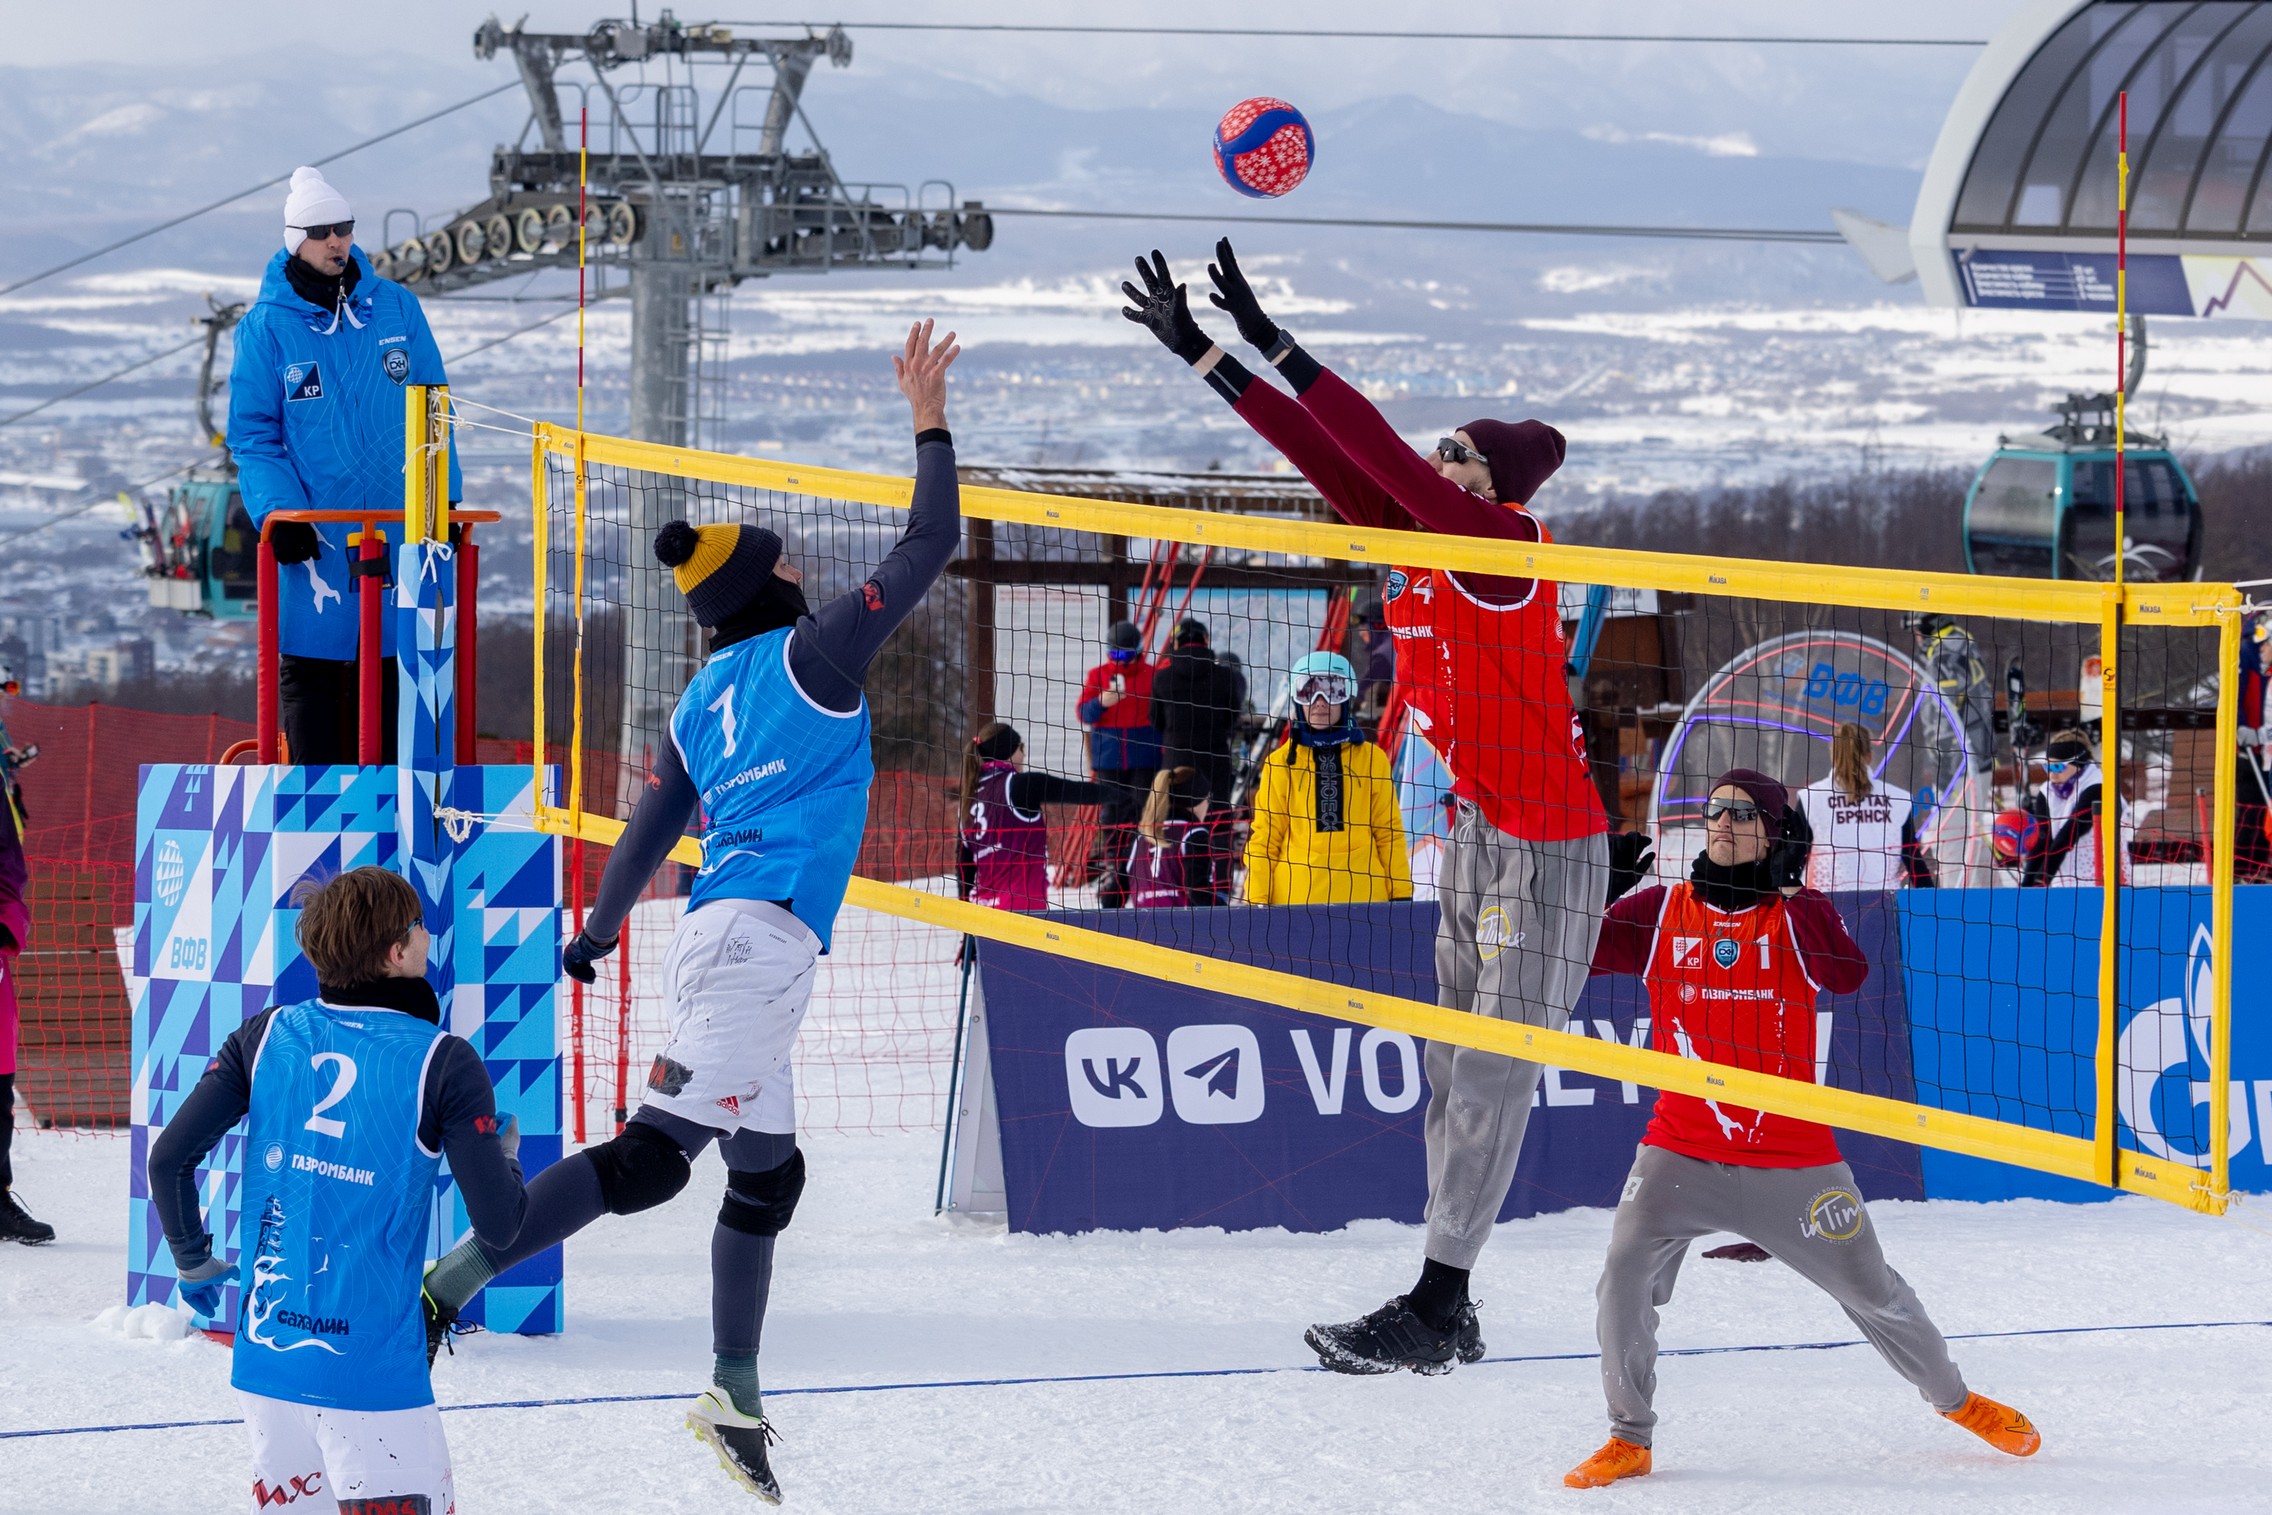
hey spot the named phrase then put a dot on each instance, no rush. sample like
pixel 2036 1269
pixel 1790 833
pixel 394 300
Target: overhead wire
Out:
pixel 1536 228
pixel 1368 34
pixel 191 215
pixel 57 399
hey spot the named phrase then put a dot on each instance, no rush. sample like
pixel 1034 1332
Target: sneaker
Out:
pixel 441 1326
pixel 1391 1337
pixel 739 1440
pixel 1469 1334
pixel 2001 1426
pixel 16 1223
pixel 1617 1459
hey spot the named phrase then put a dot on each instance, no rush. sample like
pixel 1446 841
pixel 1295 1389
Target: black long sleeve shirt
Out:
pixel 457 1117
pixel 829 655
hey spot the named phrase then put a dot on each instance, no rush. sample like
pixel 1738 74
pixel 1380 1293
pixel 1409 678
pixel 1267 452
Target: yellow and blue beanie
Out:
pixel 718 568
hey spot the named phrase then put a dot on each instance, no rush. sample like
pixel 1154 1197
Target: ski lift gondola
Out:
pixel 2043 508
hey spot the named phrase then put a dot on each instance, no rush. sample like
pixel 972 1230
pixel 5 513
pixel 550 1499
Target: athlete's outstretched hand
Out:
pixel 1234 294
pixel 922 373
pixel 1162 308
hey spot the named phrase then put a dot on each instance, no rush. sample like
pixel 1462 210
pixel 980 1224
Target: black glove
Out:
pixel 577 957
pixel 1162 308
pixel 294 541
pixel 1787 857
pixel 1632 857
pixel 1234 294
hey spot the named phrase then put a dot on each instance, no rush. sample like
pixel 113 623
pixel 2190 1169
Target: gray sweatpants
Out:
pixel 1811 1219
pixel 1515 940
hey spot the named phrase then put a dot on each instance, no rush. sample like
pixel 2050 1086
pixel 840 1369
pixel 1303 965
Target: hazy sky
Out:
pixel 1876 104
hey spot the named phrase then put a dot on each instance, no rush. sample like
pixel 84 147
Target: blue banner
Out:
pixel 1128 1103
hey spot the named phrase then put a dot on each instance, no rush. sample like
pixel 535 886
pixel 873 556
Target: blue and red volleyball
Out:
pixel 2016 836
pixel 1263 147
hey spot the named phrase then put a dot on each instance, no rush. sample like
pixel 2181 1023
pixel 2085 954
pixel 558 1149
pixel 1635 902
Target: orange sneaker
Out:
pixel 1616 1459
pixel 2001 1426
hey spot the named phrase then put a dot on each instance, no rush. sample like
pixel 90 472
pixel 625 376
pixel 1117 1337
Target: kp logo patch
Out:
pixel 1726 950
pixel 1833 1215
pixel 1687 952
pixel 302 381
pixel 396 362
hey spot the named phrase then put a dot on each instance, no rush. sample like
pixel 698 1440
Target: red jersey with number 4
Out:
pixel 1730 987
pixel 1508 733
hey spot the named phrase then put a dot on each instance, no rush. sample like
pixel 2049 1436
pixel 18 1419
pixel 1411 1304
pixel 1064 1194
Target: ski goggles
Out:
pixel 1738 811
pixel 2057 766
pixel 1452 450
pixel 1329 687
pixel 335 229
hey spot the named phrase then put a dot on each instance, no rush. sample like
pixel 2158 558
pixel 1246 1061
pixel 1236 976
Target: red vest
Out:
pixel 1730 988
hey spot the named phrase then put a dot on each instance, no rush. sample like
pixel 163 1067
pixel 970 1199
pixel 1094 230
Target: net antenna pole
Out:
pixel 576 655
pixel 2110 710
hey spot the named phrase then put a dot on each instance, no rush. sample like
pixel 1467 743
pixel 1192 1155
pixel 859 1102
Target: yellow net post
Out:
pixel 2224 828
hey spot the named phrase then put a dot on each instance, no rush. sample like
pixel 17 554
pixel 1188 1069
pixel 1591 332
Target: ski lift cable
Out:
pixel 57 399
pixel 1532 228
pixel 1336 34
pixel 191 215
pixel 99 501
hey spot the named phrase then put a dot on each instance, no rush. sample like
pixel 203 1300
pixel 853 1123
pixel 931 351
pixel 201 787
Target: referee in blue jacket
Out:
pixel 315 423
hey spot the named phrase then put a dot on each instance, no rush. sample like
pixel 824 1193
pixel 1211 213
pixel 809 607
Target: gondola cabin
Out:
pixel 2043 507
pixel 202 548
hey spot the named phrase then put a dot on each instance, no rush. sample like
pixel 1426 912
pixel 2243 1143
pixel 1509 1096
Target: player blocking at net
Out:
pixel 1733 959
pixel 351 1100
pixel 1481 658
pixel 770 738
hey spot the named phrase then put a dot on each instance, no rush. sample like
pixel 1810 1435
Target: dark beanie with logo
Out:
pixel 1768 795
pixel 718 568
pixel 1522 455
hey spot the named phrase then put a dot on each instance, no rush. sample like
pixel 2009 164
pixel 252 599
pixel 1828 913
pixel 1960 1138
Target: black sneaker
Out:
pixel 1468 1332
pixel 1391 1337
pixel 441 1325
pixel 16 1223
pixel 739 1440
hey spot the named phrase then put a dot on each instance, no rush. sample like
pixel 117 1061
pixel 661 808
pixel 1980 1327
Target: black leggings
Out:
pixel 565 1198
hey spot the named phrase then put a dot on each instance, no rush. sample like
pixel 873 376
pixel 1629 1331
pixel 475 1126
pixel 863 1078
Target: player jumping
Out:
pixel 1480 657
pixel 1733 960
pixel 771 739
pixel 354 1098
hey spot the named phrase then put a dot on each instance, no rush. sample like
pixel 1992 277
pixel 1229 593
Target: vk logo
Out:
pixel 1215 1074
pixel 1112 1075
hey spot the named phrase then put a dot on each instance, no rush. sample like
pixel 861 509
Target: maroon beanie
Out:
pixel 1768 795
pixel 1523 455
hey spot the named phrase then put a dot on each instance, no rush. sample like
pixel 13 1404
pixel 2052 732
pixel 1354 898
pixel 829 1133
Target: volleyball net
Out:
pixel 2040 875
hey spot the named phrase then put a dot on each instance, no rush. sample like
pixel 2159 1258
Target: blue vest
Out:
pixel 337 1195
pixel 784 783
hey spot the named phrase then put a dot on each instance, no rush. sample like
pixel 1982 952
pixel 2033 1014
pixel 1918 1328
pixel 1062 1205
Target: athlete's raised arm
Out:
pixel 832 649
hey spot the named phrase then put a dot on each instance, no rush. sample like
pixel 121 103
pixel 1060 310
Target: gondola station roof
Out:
pixel 2017 208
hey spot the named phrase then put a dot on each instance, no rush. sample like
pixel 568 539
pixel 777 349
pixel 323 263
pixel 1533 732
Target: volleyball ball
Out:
pixel 1263 147
pixel 2016 835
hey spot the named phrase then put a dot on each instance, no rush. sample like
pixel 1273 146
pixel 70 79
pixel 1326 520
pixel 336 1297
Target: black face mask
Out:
pixel 1734 886
pixel 780 603
pixel 322 290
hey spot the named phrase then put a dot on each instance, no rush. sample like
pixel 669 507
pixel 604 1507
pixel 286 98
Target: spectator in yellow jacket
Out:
pixel 1327 830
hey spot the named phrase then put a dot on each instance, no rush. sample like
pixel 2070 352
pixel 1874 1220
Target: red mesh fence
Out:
pixel 76 1026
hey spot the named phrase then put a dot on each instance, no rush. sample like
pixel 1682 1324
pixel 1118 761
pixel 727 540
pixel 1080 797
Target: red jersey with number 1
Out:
pixel 1729 986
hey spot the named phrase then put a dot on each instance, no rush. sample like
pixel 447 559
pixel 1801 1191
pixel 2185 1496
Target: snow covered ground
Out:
pixel 875 1292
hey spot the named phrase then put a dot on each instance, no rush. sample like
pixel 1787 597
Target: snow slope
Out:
pixel 873 1291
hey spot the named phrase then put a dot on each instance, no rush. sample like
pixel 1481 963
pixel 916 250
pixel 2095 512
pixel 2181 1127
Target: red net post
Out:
pixel 265 681
pixel 368 703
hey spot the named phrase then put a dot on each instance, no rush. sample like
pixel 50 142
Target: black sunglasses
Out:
pixel 1452 450
pixel 1735 810
pixel 335 229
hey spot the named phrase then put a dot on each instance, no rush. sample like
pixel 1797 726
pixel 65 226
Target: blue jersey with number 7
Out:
pixel 337 1194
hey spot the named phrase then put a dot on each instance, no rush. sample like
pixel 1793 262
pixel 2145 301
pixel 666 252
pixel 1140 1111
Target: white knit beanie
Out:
pixel 312 202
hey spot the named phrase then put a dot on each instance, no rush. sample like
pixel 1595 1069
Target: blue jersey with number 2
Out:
pixel 784 782
pixel 337 1194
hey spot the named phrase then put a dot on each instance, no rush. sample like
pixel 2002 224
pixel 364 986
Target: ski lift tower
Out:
pixel 691 191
